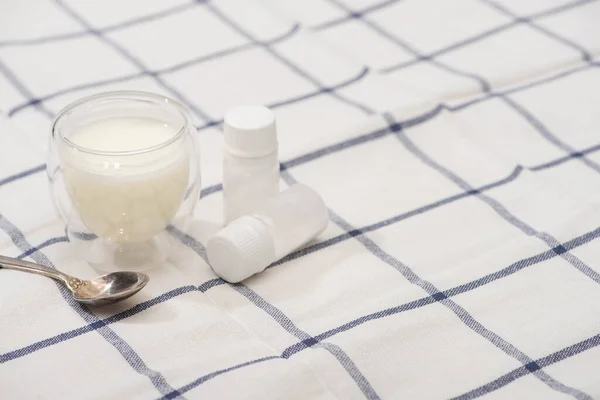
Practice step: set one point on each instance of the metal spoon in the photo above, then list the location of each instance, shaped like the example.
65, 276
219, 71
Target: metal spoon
105, 289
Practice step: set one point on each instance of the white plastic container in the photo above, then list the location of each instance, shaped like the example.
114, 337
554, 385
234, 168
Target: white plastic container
250, 165
251, 243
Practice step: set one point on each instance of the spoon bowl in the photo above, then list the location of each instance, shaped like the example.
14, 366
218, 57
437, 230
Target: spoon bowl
109, 288
105, 289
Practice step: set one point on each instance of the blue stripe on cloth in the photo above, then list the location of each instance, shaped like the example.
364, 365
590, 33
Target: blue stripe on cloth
566, 158
507, 216
485, 86
106, 29
212, 375
460, 312
288, 325
548, 239
293, 67
33, 101
348, 235
330, 242
126, 351
397, 218
131, 58
517, 373
37, 101
278, 39
426, 116
529, 85
536, 123
166, 70
211, 189
12, 78
549, 136
517, 19
466, 287
513, 268
23, 174
380, 133
532, 366
354, 14
49, 242
483, 35
108, 334
322, 90
334, 148
95, 325
285, 322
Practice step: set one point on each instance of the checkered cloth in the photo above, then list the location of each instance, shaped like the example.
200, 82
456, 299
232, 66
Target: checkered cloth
455, 142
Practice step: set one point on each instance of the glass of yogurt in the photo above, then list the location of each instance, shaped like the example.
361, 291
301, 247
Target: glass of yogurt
124, 174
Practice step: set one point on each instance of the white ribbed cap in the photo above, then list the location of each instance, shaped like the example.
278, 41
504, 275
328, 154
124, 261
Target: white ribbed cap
250, 131
241, 249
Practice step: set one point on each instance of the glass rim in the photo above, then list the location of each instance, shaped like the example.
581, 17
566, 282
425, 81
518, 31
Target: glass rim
123, 95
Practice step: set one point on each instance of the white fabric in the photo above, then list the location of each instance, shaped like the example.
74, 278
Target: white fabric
455, 144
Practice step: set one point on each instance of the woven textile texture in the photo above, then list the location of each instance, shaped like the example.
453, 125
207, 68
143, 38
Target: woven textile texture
455, 143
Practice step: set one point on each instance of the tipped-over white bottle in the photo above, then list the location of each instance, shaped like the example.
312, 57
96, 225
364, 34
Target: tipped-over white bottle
250, 165
251, 243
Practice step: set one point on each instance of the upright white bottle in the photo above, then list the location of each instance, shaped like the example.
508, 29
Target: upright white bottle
250, 165
252, 242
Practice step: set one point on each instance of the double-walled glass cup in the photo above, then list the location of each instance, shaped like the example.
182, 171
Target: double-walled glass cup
124, 174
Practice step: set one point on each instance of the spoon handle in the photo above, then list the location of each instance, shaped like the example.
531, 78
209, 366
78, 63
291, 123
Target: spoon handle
25, 266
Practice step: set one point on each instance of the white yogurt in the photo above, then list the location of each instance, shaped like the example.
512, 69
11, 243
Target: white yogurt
127, 197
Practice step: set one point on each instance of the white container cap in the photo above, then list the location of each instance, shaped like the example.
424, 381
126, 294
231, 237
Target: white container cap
241, 249
250, 131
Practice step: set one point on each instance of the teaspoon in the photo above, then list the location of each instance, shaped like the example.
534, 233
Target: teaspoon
105, 289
